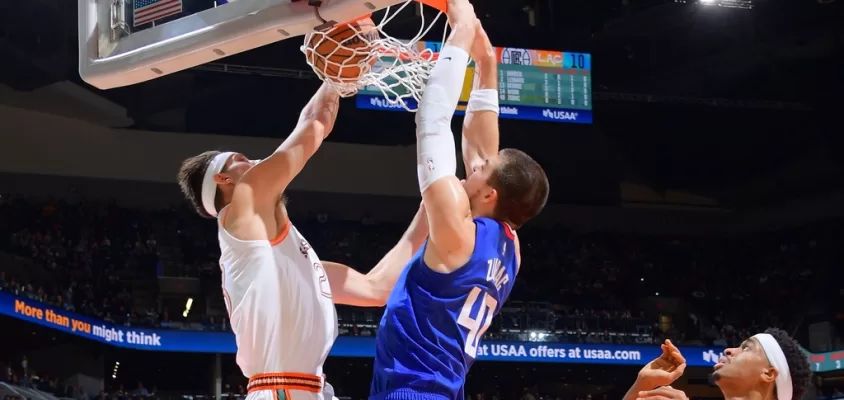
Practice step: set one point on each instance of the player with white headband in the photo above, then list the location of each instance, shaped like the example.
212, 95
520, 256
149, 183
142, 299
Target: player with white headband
280, 296
767, 366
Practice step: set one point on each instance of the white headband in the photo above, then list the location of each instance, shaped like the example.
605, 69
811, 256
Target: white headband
777, 359
209, 186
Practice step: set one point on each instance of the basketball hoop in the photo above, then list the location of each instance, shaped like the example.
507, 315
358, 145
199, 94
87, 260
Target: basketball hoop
399, 69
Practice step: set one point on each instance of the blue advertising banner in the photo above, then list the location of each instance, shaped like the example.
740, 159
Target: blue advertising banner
223, 342
377, 102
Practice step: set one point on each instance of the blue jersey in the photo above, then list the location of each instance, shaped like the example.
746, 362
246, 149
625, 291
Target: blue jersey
428, 337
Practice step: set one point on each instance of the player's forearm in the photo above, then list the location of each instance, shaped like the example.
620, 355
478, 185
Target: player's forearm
269, 178
463, 24
486, 71
349, 287
436, 153
633, 393
315, 124
321, 109
353, 288
384, 275
480, 126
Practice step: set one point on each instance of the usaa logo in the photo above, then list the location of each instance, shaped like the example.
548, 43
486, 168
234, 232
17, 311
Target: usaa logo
560, 115
711, 356
381, 103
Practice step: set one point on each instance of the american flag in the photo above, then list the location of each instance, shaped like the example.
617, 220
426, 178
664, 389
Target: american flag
146, 11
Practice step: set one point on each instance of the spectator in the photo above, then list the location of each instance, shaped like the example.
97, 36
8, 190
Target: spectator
140, 391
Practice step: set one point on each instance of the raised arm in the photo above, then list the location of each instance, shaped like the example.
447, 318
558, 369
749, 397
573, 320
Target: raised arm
661, 371
269, 179
480, 126
256, 195
452, 232
353, 288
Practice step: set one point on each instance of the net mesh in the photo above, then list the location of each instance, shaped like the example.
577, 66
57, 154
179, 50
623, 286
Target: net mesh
399, 69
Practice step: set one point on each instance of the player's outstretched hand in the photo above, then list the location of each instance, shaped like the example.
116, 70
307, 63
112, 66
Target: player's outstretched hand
663, 393
664, 370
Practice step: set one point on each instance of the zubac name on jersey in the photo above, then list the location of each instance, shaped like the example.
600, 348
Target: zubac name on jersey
428, 337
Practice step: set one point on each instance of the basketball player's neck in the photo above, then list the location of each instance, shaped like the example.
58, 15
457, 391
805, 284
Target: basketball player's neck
481, 211
752, 394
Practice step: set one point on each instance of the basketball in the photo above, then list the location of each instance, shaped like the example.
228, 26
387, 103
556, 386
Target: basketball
342, 52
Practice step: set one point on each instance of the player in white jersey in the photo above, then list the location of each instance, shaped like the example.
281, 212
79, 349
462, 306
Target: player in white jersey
279, 294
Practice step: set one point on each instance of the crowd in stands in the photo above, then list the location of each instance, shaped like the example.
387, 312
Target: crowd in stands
574, 287
21, 374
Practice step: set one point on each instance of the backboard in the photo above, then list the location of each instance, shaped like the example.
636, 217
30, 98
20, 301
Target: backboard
123, 42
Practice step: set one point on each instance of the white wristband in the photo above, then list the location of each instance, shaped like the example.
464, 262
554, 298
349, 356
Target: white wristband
483, 100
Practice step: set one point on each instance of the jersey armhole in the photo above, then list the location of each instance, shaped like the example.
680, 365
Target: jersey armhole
459, 270
517, 247
274, 241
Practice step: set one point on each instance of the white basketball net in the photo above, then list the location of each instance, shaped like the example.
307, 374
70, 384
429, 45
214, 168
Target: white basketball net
400, 71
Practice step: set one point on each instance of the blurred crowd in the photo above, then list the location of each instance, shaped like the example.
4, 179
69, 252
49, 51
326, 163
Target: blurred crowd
21, 374
595, 287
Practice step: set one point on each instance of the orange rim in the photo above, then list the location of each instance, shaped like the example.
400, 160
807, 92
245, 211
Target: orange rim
441, 5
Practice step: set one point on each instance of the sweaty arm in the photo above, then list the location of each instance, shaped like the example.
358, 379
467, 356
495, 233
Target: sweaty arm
256, 195
452, 232
480, 126
353, 288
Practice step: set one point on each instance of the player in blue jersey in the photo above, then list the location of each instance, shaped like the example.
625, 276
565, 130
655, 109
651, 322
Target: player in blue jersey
448, 294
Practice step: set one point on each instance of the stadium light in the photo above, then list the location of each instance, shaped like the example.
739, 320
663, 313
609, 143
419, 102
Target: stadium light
741, 4
188, 304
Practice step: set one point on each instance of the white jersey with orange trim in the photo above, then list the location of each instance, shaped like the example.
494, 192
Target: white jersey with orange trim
281, 311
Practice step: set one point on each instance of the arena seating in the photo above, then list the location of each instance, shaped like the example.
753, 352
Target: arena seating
16, 392
575, 287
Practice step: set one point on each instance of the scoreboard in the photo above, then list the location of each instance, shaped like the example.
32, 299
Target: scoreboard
532, 84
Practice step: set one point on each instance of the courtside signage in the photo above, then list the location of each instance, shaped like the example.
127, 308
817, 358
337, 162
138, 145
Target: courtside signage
223, 342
